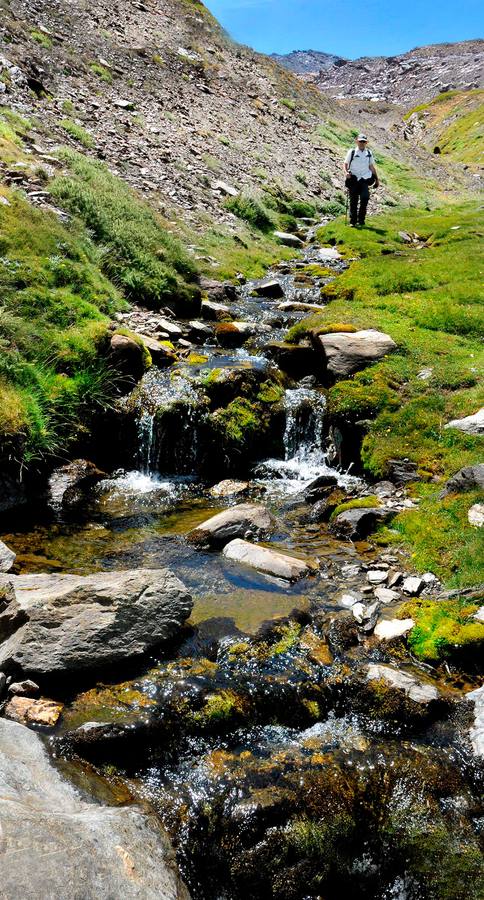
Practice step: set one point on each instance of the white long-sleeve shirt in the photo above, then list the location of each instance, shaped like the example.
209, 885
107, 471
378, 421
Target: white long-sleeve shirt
360, 164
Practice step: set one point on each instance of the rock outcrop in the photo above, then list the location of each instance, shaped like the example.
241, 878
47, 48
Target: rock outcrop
7, 558
55, 844
69, 623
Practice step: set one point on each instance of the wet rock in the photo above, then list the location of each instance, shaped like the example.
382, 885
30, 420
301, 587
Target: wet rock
413, 585
316, 648
289, 240
384, 489
297, 360
299, 306
71, 623
28, 711
270, 288
377, 576
344, 353
25, 688
470, 424
199, 332
229, 488
71, 848
239, 521
234, 334
366, 616
3, 684
215, 312
269, 562
70, 485
319, 488
218, 291
342, 634
388, 629
386, 595
348, 600
128, 356
468, 478
7, 558
355, 524
394, 579
414, 688
476, 733
161, 355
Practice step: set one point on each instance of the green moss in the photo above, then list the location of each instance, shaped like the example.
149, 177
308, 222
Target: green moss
444, 629
315, 324
316, 271
218, 708
288, 638
53, 328
270, 392
359, 503
239, 422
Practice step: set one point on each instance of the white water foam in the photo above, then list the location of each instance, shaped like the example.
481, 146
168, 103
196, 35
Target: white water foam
304, 455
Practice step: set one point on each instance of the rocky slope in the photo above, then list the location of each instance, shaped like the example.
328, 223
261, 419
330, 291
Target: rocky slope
408, 78
306, 62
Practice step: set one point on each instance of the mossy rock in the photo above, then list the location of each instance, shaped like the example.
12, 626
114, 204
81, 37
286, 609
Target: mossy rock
446, 630
371, 502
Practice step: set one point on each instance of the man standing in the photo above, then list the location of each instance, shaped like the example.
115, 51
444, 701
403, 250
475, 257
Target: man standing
360, 173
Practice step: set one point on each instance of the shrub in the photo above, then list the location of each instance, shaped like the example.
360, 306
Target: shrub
251, 210
78, 133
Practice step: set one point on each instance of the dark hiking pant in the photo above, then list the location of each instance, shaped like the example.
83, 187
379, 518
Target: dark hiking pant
359, 191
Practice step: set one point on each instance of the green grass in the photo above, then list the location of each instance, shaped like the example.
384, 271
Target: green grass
53, 325
430, 302
138, 253
40, 38
102, 72
454, 122
78, 133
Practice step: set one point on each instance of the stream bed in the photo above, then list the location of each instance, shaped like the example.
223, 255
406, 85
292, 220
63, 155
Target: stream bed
279, 765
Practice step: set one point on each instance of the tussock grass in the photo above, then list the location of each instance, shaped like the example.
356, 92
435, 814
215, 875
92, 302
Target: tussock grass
138, 253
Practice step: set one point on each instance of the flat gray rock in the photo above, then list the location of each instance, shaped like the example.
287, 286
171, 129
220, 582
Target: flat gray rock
57, 845
237, 522
267, 561
415, 689
345, 353
470, 424
69, 623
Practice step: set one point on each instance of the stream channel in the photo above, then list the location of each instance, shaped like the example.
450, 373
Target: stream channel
276, 766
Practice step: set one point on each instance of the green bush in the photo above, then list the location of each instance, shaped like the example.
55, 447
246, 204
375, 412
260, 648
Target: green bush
251, 210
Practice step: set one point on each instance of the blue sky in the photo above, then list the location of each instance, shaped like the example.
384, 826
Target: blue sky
353, 28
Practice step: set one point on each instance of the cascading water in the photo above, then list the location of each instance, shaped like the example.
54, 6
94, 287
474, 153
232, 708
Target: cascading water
305, 456
145, 442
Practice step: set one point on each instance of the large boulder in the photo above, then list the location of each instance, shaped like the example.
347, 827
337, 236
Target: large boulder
346, 352
70, 623
414, 688
297, 360
7, 558
128, 356
56, 844
267, 561
246, 519
469, 478
470, 424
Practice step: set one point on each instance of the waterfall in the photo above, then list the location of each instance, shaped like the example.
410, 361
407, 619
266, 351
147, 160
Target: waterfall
146, 434
303, 434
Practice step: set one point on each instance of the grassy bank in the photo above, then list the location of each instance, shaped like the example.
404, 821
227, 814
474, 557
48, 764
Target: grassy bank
428, 296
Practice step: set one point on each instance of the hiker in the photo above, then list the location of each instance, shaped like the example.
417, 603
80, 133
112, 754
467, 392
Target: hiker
360, 173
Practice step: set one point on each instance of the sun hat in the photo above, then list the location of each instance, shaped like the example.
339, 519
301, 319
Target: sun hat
362, 137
